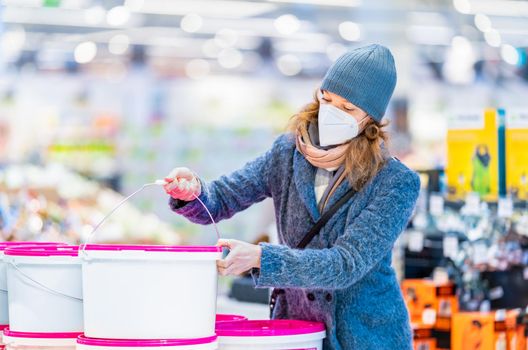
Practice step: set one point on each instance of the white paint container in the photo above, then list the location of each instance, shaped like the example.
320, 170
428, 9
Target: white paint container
4, 314
149, 292
209, 343
270, 335
45, 289
39, 341
2, 329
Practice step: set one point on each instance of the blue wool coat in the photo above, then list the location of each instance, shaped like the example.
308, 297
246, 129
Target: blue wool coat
344, 277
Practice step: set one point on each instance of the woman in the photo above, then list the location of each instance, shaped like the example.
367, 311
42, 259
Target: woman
344, 276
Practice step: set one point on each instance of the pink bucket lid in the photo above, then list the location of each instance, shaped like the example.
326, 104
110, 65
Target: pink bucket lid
43, 250
154, 248
5, 245
229, 318
13, 334
268, 328
143, 343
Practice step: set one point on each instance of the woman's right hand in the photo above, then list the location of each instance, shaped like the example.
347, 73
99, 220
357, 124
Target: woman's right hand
182, 184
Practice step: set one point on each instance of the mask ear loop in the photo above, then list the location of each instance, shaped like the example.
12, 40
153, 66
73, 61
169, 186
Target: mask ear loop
361, 122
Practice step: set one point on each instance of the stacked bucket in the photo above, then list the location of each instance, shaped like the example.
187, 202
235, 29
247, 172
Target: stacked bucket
128, 297
41, 296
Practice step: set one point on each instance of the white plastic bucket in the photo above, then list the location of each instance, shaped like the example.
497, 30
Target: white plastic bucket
209, 343
4, 315
39, 341
45, 289
149, 292
2, 328
270, 335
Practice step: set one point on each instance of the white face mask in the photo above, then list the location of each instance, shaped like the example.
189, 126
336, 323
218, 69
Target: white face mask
336, 126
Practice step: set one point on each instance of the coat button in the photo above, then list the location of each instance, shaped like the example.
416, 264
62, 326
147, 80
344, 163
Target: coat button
328, 297
310, 296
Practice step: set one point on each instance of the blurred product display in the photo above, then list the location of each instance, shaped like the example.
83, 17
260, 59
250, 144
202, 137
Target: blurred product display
53, 203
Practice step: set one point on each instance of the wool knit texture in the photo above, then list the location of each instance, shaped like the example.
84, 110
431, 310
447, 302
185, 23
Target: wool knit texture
366, 77
344, 277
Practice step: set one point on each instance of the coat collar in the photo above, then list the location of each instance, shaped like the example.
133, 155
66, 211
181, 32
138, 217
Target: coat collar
304, 178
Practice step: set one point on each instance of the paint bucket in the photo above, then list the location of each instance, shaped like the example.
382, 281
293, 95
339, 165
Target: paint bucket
4, 314
149, 292
270, 335
220, 318
209, 343
2, 329
39, 341
45, 289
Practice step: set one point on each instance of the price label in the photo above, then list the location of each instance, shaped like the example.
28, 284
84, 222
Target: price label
505, 208
473, 203
429, 316
436, 205
480, 253
440, 276
450, 246
496, 293
416, 241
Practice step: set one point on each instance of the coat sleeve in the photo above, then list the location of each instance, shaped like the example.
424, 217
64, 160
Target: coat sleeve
231, 193
366, 241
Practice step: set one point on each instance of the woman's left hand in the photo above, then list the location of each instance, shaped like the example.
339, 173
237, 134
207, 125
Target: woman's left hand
242, 257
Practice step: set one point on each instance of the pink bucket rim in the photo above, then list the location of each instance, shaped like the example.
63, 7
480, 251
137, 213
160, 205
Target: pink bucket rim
267, 328
3, 327
14, 334
42, 250
153, 248
10, 244
229, 318
143, 343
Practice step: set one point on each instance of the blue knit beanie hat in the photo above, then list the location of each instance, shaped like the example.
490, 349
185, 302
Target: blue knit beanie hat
366, 77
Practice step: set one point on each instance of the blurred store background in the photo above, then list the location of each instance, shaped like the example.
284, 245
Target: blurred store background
99, 97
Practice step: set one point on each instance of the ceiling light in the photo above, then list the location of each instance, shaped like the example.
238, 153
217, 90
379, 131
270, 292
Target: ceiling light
350, 31
118, 44
118, 16
191, 23
458, 67
289, 65
482, 22
287, 24
462, 6
230, 58
493, 38
85, 52
510, 54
